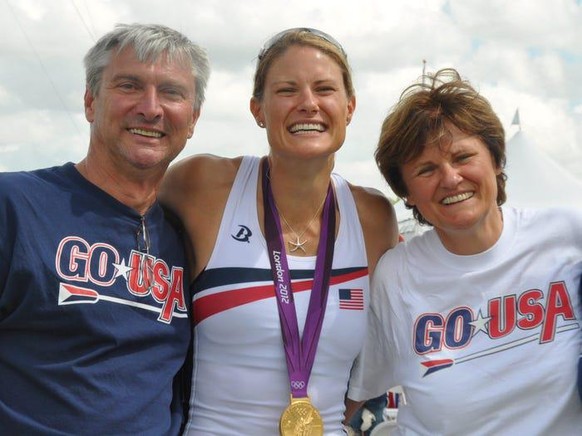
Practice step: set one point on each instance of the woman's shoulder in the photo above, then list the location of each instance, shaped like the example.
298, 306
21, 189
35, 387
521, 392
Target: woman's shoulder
378, 220
558, 223
554, 215
203, 166
372, 202
197, 180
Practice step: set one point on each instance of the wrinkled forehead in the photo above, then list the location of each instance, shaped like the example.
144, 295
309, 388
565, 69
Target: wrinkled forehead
438, 137
444, 135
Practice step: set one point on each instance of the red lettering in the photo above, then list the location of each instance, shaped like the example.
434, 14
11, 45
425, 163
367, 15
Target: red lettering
161, 283
558, 304
141, 275
503, 314
175, 296
531, 309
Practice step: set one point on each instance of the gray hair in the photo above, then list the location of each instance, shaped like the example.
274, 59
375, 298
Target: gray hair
149, 41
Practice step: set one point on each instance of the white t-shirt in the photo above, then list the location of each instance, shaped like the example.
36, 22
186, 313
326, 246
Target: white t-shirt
482, 344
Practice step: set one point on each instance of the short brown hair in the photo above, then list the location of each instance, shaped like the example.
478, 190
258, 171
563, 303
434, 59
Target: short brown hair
419, 118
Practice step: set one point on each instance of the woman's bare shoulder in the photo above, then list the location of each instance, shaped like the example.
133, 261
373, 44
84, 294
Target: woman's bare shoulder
378, 220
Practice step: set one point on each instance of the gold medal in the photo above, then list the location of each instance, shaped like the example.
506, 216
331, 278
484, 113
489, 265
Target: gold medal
301, 418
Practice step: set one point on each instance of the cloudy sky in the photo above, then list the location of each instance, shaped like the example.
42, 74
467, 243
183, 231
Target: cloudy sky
524, 54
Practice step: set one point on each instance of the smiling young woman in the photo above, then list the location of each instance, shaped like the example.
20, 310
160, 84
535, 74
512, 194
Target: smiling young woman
283, 250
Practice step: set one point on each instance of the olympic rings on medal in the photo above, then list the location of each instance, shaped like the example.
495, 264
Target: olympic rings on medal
297, 384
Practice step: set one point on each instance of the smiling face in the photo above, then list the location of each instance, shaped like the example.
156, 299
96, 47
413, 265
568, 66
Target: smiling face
305, 107
454, 187
143, 114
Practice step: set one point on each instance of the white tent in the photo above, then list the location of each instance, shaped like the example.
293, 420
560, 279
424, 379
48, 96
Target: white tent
534, 179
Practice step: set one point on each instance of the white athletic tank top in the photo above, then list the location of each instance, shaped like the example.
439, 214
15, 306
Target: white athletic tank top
240, 381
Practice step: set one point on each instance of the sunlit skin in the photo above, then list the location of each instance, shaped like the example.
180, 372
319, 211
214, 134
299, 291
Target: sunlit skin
454, 187
142, 115
304, 88
305, 106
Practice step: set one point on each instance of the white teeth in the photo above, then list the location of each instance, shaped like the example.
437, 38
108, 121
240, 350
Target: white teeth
149, 133
307, 128
457, 198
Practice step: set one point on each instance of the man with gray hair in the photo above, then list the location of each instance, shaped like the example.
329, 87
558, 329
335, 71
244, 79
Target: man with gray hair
94, 309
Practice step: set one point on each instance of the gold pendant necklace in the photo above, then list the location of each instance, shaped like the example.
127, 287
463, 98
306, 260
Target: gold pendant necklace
298, 244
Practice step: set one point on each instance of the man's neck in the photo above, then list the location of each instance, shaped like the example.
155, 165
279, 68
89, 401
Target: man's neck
139, 194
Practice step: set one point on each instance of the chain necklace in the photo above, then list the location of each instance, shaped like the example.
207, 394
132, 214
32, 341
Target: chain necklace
298, 244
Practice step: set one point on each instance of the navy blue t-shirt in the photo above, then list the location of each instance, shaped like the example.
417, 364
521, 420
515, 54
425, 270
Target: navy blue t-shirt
94, 322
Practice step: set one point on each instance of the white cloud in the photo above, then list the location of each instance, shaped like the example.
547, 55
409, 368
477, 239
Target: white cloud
521, 22
520, 54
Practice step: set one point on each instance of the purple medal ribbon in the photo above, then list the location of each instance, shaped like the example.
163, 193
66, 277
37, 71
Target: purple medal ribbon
300, 353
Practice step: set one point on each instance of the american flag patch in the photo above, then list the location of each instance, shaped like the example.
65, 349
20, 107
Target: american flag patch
351, 299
